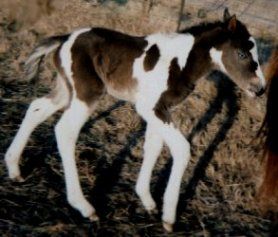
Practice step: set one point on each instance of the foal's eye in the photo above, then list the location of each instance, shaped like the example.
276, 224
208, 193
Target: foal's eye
241, 54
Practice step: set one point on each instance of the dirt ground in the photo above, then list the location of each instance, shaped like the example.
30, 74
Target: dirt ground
219, 186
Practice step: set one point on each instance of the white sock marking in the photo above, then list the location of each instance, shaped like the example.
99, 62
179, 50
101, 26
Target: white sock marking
67, 131
152, 148
180, 150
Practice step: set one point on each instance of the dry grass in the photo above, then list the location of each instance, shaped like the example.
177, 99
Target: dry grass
217, 196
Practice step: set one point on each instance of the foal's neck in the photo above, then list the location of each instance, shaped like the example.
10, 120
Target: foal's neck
208, 35
208, 38
199, 63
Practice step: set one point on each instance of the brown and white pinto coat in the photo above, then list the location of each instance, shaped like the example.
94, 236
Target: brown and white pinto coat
155, 73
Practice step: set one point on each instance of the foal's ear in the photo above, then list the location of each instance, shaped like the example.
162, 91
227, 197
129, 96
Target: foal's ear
226, 15
232, 23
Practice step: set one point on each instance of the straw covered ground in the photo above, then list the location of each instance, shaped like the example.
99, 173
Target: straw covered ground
219, 186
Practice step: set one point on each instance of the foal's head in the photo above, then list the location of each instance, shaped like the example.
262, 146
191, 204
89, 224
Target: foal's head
240, 57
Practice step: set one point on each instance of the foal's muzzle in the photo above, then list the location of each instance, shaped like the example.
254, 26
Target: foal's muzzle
255, 91
260, 92
256, 87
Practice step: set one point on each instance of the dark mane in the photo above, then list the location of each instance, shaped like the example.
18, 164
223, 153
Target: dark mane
240, 33
202, 27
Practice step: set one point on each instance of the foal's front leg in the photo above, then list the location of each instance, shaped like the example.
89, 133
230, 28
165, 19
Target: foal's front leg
180, 151
67, 131
152, 148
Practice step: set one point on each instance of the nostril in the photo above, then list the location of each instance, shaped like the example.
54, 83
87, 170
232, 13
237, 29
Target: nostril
260, 92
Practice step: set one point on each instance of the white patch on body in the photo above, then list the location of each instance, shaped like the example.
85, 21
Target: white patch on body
254, 53
171, 46
216, 56
151, 85
66, 55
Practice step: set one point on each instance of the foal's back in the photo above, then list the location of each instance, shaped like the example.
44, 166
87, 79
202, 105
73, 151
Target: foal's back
104, 59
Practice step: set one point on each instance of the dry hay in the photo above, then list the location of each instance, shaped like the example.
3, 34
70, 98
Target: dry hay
217, 195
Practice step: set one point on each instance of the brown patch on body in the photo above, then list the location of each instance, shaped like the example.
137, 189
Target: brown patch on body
87, 83
104, 58
167, 99
151, 58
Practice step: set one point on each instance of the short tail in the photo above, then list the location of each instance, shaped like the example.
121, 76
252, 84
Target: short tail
268, 192
45, 47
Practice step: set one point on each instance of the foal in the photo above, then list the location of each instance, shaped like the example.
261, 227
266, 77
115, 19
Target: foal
155, 72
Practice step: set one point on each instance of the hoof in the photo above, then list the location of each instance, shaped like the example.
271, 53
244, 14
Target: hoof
18, 179
167, 226
93, 217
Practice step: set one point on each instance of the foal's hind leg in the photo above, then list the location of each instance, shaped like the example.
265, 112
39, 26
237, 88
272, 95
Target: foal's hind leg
67, 131
38, 111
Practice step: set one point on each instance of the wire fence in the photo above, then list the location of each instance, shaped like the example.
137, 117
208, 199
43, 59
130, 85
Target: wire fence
259, 15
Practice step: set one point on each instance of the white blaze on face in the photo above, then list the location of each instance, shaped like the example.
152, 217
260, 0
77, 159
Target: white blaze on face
254, 53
